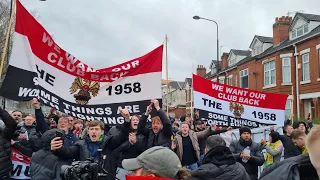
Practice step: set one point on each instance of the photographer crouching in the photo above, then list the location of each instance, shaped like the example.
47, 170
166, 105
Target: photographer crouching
95, 146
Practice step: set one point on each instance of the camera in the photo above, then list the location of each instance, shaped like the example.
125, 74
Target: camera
80, 170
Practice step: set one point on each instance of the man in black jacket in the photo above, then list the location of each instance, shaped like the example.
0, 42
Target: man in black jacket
290, 150
252, 160
161, 130
44, 164
219, 163
88, 147
5, 144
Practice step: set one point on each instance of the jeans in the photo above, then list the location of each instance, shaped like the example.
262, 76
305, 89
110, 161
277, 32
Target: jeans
201, 160
192, 167
121, 173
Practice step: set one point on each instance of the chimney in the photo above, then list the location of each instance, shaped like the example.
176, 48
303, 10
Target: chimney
201, 70
224, 60
281, 29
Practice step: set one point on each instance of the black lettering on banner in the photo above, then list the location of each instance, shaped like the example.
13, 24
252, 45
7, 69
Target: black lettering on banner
264, 116
126, 88
46, 76
17, 170
211, 103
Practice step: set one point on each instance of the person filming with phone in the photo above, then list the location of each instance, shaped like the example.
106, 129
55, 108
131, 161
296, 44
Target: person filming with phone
93, 142
160, 132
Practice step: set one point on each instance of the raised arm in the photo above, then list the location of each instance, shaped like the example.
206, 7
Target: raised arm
142, 129
167, 129
10, 123
41, 125
276, 151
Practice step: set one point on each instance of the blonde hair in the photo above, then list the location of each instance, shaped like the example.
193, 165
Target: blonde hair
296, 134
313, 135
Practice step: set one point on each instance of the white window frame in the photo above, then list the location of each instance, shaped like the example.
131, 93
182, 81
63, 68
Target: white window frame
236, 81
304, 28
288, 108
230, 80
303, 62
283, 71
244, 70
269, 71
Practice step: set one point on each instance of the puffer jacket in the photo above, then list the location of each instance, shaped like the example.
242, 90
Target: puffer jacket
5, 144
219, 163
195, 138
45, 165
256, 159
163, 138
295, 168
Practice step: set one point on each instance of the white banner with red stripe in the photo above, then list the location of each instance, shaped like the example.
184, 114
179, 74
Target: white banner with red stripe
237, 107
40, 68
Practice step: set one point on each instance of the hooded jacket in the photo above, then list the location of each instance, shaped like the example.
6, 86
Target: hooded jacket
295, 168
45, 165
219, 164
5, 144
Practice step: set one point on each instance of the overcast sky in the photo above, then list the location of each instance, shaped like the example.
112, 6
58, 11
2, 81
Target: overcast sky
102, 33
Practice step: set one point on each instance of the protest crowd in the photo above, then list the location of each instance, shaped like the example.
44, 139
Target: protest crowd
38, 147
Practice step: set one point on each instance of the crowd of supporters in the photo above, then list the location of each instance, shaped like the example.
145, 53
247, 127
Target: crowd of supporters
38, 145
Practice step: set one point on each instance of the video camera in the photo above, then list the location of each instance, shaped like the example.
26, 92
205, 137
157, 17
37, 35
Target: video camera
80, 170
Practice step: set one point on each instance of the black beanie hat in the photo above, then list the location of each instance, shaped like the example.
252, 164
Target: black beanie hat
275, 136
244, 129
55, 117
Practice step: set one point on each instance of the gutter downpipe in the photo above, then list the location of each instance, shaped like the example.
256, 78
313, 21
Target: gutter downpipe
296, 54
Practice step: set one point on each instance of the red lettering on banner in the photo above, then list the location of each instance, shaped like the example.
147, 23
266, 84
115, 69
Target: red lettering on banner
44, 48
239, 95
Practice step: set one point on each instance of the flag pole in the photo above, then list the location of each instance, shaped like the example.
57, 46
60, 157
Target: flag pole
167, 77
5, 48
192, 103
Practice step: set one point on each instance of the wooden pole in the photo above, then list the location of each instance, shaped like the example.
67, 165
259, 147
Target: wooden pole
167, 76
5, 49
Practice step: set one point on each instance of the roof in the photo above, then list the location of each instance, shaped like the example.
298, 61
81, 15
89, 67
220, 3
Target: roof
189, 81
176, 85
309, 17
262, 39
265, 39
240, 52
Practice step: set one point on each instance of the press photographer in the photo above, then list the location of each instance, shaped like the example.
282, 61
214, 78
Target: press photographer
88, 147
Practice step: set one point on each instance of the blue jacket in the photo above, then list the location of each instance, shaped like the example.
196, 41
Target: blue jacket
69, 139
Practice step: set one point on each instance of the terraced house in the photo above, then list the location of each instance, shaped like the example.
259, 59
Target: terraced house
287, 63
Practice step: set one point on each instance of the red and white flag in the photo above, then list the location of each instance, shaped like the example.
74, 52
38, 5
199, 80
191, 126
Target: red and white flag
39, 67
237, 107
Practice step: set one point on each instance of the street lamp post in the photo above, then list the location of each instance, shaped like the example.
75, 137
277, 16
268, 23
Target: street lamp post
197, 18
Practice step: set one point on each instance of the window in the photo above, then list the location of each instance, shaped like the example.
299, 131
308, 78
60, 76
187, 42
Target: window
299, 31
244, 78
293, 34
305, 67
286, 70
221, 81
287, 112
230, 81
305, 28
236, 81
269, 73
232, 61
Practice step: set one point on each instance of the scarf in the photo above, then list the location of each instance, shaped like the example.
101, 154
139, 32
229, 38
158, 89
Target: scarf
94, 146
245, 143
269, 157
304, 150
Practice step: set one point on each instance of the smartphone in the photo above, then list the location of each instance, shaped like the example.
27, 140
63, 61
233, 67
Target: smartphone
59, 134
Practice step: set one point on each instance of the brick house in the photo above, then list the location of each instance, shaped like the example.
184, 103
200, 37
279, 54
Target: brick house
176, 98
287, 63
